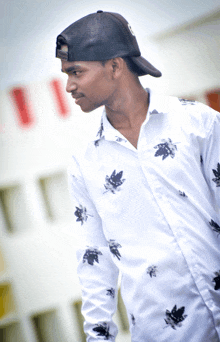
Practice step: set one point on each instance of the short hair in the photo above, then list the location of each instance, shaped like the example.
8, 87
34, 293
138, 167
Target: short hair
130, 64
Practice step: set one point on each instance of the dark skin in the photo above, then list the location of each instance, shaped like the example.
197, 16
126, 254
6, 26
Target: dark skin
112, 85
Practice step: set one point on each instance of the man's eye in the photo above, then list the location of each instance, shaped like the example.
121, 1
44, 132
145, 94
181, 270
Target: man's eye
76, 73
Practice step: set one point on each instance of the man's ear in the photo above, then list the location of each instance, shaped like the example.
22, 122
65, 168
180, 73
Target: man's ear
117, 65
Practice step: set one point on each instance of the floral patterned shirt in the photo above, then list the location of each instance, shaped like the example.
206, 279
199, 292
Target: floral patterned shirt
152, 214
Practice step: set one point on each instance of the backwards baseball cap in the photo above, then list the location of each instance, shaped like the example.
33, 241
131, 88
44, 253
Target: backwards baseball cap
101, 36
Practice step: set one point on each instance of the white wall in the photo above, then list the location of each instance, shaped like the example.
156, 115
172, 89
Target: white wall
189, 58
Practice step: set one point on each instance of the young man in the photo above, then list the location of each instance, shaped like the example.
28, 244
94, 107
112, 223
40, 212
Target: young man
147, 191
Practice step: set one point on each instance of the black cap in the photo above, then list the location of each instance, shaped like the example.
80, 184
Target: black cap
101, 36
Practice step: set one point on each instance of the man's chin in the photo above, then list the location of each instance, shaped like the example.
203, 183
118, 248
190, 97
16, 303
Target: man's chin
88, 109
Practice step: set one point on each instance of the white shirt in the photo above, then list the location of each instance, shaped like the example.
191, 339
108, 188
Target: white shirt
151, 213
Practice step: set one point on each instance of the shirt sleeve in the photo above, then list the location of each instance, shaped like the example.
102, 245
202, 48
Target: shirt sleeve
211, 156
97, 273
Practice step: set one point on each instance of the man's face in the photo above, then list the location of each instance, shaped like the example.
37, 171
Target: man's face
90, 83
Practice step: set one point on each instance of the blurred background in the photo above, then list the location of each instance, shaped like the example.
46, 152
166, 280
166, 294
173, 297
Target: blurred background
40, 127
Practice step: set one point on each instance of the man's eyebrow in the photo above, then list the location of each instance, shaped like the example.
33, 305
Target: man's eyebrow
72, 68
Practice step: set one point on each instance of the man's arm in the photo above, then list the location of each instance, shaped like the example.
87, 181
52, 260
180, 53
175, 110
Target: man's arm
97, 273
211, 156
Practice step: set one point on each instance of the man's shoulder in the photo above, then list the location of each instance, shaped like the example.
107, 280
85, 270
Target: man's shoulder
195, 112
193, 116
192, 107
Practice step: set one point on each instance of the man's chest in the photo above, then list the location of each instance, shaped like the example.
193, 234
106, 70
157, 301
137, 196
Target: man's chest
132, 134
166, 158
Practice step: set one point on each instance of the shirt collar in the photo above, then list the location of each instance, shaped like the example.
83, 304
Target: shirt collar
108, 132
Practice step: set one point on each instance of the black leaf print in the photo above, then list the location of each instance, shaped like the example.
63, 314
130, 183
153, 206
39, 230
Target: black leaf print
81, 214
175, 317
114, 248
99, 135
182, 194
103, 330
216, 280
119, 139
215, 226
91, 256
201, 160
111, 292
155, 112
100, 132
165, 149
217, 175
186, 102
114, 182
132, 319
151, 270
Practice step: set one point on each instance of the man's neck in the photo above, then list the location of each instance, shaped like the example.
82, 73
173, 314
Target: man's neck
128, 112
129, 108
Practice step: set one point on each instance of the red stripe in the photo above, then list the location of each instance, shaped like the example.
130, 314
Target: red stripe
24, 115
214, 99
58, 91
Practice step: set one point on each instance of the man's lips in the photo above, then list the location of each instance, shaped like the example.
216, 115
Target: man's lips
77, 97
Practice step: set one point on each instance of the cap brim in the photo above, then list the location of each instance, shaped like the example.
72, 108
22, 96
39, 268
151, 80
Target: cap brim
144, 67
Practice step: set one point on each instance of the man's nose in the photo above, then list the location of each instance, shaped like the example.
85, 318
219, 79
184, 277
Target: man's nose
70, 85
